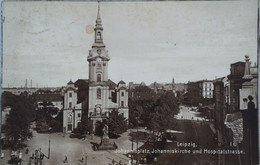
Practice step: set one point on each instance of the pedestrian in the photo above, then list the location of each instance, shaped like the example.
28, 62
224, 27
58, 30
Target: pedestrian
20, 155
26, 151
113, 162
81, 160
2, 155
92, 136
65, 160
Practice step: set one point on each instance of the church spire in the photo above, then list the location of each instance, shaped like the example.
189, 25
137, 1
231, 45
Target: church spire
98, 30
98, 21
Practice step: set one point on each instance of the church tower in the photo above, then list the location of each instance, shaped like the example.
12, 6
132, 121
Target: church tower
98, 56
104, 95
99, 93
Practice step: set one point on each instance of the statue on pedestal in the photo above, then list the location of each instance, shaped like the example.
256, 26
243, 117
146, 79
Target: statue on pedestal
105, 132
105, 144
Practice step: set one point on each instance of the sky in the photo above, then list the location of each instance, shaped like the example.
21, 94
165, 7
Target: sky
48, 42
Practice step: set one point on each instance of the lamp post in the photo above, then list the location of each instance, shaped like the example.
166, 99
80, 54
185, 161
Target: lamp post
49, 149
131, 133
137, 132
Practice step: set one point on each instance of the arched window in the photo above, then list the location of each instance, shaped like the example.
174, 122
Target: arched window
98, 35
98, 93
98, 77
70, 119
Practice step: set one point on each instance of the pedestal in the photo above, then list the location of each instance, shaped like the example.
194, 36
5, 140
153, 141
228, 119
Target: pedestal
106, 145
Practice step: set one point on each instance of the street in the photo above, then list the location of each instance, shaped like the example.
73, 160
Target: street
196, 130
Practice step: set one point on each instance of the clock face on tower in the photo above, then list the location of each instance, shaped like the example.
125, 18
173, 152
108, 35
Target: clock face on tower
98, 51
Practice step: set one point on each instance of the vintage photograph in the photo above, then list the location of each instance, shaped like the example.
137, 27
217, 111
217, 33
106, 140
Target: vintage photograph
129, 83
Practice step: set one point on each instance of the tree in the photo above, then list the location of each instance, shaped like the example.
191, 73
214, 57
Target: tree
162, 115
85, 126
162, 119
49, 115
145, 107
17, 125
141, 105
194, 94
117, 123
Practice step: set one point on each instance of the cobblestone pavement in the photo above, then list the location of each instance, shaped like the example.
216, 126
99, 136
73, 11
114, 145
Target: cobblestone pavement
74, 149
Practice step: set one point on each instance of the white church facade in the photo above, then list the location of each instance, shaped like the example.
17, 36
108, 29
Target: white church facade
103, 95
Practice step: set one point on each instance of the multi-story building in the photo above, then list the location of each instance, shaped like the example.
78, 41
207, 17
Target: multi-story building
234, 94
72, 111
235, 83
52, 99
18, 91
200, 91
98, 95
207, 88
248, 105
224, 132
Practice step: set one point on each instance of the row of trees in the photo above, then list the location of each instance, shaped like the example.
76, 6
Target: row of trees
154, 111
116, 122
22, 113
194, 95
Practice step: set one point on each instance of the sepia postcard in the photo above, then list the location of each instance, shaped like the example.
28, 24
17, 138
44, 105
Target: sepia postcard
129, 83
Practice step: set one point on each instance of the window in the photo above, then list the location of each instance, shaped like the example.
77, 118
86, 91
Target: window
78, 114
98, 93
122, 93
98, 77
69, 119
122, 103
98, 35
99, 66
70, 94
70, 104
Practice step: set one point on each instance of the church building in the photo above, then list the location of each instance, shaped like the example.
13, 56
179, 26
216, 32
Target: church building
98, 95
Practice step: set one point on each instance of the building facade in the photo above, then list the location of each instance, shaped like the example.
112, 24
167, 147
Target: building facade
207, 89
248, 102
200, 92
98, 95
50, 99
72, 111
236, 109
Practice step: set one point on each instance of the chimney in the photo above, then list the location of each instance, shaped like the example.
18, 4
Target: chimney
247, 74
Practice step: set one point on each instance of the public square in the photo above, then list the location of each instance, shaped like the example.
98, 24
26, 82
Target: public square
191, 127
75, 149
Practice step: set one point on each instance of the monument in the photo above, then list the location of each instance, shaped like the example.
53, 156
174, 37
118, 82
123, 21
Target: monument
105, 144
